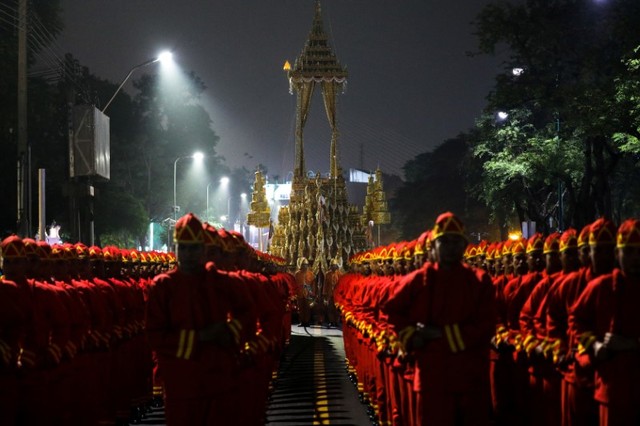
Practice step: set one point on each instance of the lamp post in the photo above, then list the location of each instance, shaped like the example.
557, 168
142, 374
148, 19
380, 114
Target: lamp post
224, 181
243, 202
208, 185
197, 156
164, 56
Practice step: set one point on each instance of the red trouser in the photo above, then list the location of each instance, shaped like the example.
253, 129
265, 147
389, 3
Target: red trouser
551, 398
578, 406
396, 384
410, 404
8, 398
537, 409
210, 411
381, 395
502, 374
619, 415
438, 408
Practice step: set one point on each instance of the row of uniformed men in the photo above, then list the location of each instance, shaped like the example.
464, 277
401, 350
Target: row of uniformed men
564, 346
217, 328
72, 320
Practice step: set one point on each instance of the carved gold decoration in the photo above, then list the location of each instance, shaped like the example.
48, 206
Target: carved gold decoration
260, 213
319, 223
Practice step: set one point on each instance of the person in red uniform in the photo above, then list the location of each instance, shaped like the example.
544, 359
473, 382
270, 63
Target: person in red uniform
605, 325
305, 286
42, 346
451, 309
13, 321
330, 282
192, 343
539, 368
578, 406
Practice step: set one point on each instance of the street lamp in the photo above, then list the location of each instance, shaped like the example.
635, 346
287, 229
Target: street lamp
502, 115
241, 213
207, 211
224, 181
163, 57
198, 156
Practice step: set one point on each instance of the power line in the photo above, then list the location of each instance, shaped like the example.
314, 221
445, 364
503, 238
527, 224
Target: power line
40, 40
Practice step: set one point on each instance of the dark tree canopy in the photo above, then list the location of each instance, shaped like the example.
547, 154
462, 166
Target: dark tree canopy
435, 182
563, 111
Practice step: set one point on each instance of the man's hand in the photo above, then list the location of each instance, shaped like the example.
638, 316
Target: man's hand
618, 343
600, 351
217, 333
425, 333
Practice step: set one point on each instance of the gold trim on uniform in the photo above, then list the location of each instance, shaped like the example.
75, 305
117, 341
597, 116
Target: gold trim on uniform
586, 339
189, 349
456, 332
452, 345
183, 336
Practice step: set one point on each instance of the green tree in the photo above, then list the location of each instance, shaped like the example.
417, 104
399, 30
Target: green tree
569, 53
122, 218
435, 182
44, 24
521, 166
628, 139
171, 123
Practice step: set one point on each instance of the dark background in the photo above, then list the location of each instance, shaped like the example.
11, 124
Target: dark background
411, 84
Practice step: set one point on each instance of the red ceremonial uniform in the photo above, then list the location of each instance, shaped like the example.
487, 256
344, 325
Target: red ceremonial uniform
609, 304
452, 371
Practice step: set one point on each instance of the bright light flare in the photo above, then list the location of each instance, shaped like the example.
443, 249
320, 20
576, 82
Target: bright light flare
198, 156
224, 180
165, 57
514, 236
502, 115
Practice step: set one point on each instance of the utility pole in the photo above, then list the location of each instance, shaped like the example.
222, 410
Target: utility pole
23, 226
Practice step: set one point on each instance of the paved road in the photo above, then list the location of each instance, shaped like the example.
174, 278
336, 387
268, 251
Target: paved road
312, 387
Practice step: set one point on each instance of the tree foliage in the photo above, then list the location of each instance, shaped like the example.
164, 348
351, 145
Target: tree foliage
565, 116
522, 166
44, 18
147, 133
122, 218
171, 123
435, 182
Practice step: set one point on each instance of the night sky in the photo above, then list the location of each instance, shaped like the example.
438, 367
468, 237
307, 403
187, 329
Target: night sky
411, 83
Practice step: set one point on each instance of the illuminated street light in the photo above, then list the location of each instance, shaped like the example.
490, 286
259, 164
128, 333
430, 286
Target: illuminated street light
163, 57
207, 210
517, 71
502, 115
198, 156
224, 181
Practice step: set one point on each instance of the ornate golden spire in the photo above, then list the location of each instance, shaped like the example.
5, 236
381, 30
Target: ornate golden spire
317, 62
381, 215
376, 208
319, 222
260, 212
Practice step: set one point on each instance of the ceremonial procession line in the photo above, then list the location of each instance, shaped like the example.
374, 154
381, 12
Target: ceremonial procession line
311, 386
435, 331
